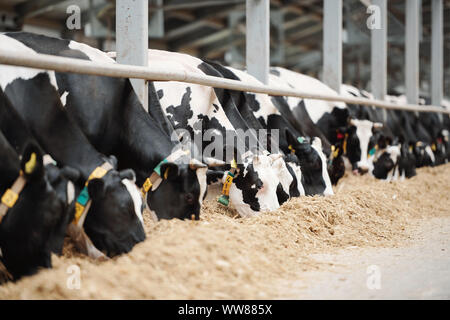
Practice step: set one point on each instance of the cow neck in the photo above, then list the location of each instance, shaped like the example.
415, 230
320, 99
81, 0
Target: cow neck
155, 178
55, 131
13, 127
83, 202
145, 142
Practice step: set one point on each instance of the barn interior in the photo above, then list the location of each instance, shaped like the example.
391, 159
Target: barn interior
215, 30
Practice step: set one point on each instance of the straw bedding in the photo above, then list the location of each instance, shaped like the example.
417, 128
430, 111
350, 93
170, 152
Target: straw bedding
226, 257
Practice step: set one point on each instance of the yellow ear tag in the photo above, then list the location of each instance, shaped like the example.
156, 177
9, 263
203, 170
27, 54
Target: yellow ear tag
98, 173
166, 173
9, 199
410, 149
291, 148
31, 164
335, 152
234, 164
344, 145
433, 147
78, 212
147, 185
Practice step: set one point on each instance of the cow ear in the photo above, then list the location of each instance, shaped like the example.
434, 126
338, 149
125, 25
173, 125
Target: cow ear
96, 188
169, 171
113, 161
32, 163
128, 174
70, 173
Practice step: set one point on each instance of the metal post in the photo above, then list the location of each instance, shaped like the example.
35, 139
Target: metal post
379, 49
258, 39
412, 50
132, 39
437, 53
332, 44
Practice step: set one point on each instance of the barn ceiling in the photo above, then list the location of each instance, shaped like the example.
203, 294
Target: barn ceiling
215, 29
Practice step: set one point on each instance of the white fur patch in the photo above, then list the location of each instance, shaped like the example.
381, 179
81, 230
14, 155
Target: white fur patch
201, 176
70, 192
317, 145
315, 108
364, 133
10, 73
136, 196
47, 159
298, 175
267, 195
430, 153
63, 98
92, 53
283, 174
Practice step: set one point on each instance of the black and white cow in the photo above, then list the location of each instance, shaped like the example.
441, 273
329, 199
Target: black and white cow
331, 120
199, 110
410, 131
34, 226
111, 116
114, 222
387, 158
19, 136
310, 166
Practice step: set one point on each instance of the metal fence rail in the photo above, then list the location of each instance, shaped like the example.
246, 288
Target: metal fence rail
164, 73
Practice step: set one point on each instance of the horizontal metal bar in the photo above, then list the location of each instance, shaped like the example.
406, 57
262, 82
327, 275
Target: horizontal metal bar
168, 73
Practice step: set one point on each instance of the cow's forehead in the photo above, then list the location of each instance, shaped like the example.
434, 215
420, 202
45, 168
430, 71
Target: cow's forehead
363, 124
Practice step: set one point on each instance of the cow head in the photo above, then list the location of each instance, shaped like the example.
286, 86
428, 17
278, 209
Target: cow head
336, 165
442, 147
285, 176
424, 154
181, 193
114, 222
255, 186
62, 181
385, 162
358, 136
35, 226
313, 164
296, 188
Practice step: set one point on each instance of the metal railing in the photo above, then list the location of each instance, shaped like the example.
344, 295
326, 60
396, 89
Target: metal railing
164, 73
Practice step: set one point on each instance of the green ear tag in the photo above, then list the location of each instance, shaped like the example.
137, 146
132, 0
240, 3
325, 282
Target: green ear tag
300, 139
372, 151
158, 167
83, 198
224, 200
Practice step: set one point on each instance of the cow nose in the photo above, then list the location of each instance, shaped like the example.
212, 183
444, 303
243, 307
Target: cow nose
363, 169
189, 197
